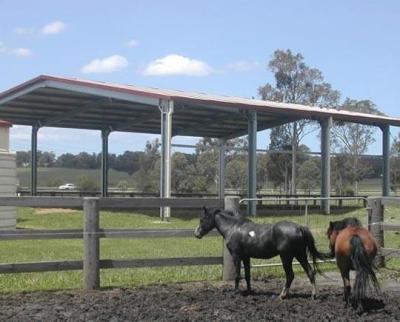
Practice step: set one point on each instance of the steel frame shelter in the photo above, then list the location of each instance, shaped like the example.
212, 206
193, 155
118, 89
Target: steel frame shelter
50, 101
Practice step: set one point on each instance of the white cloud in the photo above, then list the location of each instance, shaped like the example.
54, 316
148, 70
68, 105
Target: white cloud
22, 52
53, 28
244, 65
24, 31
19, 52
132, 43
105, 65
177, 65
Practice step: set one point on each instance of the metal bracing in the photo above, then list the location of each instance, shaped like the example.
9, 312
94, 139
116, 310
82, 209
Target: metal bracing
252, 162
73, 113
326, 125
221, 168
35, 129
263, 125
122, 126
166, 109
104, 162
386, 160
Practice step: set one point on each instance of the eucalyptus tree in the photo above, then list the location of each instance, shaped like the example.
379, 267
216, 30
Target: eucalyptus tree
353, 140
309, 174
296, 82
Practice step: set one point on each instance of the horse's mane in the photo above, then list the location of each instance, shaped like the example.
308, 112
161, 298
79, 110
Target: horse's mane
342, 224
232, 214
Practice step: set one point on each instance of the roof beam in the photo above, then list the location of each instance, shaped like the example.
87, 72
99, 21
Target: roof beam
129, 123
20, 93
71, 113
102, 92
261, 126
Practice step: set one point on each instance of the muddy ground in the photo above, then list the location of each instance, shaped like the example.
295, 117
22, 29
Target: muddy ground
205, 301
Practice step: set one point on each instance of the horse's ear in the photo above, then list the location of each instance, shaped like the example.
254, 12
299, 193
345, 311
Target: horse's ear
330, 224
204, 209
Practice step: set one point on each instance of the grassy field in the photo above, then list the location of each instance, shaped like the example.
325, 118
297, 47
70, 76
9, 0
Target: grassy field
34, 251
66, 175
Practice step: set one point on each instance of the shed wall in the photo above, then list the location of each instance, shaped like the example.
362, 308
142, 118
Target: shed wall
8, 187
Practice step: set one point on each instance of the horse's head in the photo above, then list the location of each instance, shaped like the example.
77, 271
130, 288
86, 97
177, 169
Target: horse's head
336, 226
207, 222
332, 233
330, 229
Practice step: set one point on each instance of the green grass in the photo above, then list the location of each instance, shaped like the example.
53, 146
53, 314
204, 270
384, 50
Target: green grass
45, 175
47, 250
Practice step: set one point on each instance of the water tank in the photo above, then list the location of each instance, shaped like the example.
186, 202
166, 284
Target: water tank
8, 177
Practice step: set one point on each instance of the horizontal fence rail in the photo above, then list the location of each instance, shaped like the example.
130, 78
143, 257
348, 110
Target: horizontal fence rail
102, 233
92, 233
110, 203
108, 264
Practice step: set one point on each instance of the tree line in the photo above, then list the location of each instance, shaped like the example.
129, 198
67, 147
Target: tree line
129, 161
197, 172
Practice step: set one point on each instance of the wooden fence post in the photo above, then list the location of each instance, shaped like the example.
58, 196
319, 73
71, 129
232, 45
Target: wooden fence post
229, 272
91, 244
375, 218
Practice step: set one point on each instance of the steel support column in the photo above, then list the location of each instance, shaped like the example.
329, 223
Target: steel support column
252, 162
104, 162
386, 160
167, 109
221, 169
35, 129
326, 125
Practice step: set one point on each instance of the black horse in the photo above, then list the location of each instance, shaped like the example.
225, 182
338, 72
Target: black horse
245, 239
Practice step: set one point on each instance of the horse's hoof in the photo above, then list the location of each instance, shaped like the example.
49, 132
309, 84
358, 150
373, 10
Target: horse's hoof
313, 296
283, 297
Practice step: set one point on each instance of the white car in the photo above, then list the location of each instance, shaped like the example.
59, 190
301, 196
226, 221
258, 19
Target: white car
67, 186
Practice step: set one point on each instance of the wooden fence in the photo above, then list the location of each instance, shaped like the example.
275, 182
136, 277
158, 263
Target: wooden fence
281, 199
92, 233
377, 225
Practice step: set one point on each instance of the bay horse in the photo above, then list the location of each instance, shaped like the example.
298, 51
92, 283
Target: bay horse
246, 239
355, 249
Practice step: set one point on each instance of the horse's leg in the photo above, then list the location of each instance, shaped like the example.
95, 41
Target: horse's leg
236, 262
344, 268
309, 271
246, 263
287, 266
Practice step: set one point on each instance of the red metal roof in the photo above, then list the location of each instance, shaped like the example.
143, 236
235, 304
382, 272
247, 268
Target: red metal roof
273, 110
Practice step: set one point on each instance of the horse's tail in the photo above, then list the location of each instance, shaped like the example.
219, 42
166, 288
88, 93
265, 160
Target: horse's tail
364, 266
312, 249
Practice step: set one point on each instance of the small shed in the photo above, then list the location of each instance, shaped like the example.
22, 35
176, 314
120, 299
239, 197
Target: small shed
8, 176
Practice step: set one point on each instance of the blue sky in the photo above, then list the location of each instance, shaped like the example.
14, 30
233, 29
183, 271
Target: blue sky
217, 47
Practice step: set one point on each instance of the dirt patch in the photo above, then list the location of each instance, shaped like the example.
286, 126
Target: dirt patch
46, 211
193, 302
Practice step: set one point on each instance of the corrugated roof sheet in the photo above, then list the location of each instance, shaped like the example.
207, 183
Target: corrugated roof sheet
273, 112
